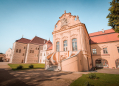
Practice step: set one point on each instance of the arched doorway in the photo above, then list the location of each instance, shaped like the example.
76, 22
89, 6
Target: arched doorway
101, 63
1, 59
117, 63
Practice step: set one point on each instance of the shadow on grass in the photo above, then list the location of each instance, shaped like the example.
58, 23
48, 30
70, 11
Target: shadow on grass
15, 69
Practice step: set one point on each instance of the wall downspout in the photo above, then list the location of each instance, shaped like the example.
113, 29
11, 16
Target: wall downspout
91, 52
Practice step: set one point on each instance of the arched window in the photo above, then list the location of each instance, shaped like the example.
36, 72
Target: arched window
117, 63
19, 50
74, 44
65, 45
16, 50
57, 46
101, 63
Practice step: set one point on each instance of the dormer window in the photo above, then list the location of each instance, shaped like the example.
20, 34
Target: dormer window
105, 51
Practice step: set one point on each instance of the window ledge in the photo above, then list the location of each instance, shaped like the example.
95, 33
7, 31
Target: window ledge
101, 55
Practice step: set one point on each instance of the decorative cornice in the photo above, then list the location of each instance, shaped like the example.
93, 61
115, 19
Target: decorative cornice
74, 35
65, 37
65, 14
69, 27
57, 39
64, 27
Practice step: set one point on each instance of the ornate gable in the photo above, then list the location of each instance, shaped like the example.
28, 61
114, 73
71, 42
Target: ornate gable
66, 20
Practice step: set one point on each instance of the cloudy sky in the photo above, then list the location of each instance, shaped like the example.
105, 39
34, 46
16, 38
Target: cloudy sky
38, 17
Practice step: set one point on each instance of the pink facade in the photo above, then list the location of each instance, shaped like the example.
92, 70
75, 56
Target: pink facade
71, 50
105, 49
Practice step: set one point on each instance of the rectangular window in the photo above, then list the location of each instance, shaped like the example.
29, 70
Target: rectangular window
105, 51
94, 51
31, 51
74, 44
65, 45
57, 46
19, 50
118, 49
16, 50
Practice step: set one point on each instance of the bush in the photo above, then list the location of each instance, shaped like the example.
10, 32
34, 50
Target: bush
87, 84
92, 76
31, 66
20, 67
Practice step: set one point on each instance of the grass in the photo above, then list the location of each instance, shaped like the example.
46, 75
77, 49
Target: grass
103, 80
26, 66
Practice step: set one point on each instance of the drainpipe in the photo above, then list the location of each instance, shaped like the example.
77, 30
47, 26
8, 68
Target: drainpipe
91, 52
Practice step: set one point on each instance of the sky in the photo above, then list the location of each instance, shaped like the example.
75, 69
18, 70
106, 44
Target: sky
30, 18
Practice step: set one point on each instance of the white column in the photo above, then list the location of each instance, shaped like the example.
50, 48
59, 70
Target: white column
12, 52
27, 53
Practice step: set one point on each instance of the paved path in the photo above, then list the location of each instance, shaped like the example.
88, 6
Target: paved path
4, 65
40, 77
36, 77
109, 71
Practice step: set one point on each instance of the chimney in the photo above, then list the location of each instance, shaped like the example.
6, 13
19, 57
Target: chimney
103, 31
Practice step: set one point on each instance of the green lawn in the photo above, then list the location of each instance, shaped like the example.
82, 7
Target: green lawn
26, 66
103, 80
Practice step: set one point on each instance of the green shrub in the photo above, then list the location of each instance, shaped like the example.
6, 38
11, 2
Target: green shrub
87, 84
92, 76
31, 66
20, 67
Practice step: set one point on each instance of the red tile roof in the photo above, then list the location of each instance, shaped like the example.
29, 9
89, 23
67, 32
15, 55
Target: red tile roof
48, 42
38, 40
107, 36
23, 40
101, 33
50, 48
35, 40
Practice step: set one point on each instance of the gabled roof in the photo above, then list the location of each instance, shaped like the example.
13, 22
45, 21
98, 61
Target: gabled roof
48, 42
35, 40
23, 40
107, 36
38, 40
50, 48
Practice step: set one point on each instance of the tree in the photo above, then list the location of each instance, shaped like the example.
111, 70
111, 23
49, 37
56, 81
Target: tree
114, 15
